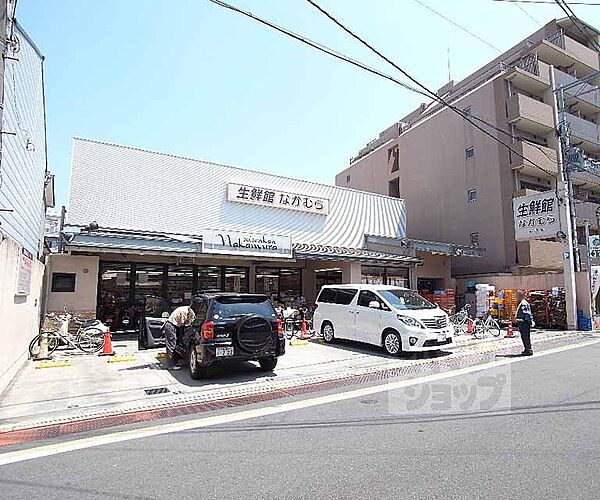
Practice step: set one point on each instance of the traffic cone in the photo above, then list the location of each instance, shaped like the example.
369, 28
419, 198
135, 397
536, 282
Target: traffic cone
107, 350
469, 326
510, 334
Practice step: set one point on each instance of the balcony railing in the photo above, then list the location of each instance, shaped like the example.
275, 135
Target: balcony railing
530, 114
582, 95
584, 130
557, 38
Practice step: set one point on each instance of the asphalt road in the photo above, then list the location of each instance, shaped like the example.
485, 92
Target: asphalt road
540, 438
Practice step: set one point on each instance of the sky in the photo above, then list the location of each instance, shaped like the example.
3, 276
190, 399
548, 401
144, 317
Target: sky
187, 77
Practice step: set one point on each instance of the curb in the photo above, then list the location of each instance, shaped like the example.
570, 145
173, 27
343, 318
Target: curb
179, 405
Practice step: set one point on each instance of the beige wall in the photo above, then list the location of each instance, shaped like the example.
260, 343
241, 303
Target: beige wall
19, 315
435, 266
83, 300
435, 178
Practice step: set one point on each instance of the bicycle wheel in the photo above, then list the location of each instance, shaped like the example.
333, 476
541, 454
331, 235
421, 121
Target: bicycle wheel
34, 345
478, 329
494, 328
90, 340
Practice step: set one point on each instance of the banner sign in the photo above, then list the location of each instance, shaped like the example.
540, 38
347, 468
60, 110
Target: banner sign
254, 244
267, 197
536, 216
595, 246
24, 276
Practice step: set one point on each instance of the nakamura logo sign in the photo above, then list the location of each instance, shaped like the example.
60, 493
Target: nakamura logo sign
238, 243
536, 216
267, 197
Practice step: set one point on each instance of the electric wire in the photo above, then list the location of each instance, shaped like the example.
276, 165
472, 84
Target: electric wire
576, 21
430, 92
317, 45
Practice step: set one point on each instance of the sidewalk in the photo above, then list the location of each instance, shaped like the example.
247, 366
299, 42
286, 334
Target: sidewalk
91, 387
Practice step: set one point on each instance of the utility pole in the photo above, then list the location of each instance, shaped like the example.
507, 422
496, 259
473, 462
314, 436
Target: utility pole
564, 191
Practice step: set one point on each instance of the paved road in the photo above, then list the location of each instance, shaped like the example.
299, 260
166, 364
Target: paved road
541, 439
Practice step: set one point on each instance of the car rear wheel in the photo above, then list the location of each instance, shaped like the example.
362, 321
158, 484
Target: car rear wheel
392, 343
268, 364
196, 371
327, 332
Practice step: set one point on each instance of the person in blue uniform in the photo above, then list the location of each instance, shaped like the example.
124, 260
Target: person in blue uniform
524, 320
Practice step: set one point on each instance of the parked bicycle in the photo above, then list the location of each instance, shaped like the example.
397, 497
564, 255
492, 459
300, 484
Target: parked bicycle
461, 320
292, 323
89, 337
486, 324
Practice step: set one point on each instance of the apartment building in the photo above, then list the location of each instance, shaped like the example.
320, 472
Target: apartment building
458, 183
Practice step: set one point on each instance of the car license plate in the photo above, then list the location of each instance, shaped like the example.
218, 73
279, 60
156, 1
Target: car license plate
224, 351
441, 337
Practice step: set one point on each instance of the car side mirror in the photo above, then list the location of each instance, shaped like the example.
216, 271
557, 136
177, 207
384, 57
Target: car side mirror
164, 315
374, 304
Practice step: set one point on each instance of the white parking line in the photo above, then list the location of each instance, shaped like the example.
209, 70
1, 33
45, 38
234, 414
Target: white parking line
117, 437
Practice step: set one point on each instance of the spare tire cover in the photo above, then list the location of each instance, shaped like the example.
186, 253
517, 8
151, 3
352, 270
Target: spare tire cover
254, 334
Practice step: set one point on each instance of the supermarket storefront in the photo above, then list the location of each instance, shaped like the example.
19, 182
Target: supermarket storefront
221, 229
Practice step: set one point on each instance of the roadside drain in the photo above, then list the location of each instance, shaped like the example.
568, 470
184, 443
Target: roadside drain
157, 390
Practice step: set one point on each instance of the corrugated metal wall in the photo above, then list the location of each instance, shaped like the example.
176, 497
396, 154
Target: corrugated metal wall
127, 188
23, 163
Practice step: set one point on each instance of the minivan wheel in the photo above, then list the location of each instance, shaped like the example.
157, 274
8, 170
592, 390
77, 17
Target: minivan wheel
327, 331
268, 364
392, 343
196, 371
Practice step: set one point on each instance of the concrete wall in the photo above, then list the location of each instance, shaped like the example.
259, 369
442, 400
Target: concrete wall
435, 266
435, 177
20, 314
509, 282
83, 300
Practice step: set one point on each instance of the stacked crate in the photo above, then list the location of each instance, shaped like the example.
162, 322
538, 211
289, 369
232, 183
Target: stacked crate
538, 300
444, 299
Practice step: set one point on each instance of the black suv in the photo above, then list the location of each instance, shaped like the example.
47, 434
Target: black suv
228, 327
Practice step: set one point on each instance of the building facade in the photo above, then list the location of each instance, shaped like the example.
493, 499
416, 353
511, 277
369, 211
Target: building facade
458, 183
26, 189
142, 223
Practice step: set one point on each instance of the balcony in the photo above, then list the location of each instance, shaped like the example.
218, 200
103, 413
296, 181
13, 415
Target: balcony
529, 74
586, 180
582, 96
535, 154
584, 134
560, 50
587, 210
530, 115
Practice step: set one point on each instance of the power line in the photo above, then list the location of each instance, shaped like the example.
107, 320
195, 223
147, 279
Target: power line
318, 46
547, 2
427, 93
430, 92
522, 9
454, 23
575, 20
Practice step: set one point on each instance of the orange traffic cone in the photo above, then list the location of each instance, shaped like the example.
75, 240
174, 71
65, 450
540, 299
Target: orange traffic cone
510, 334
107, 350
469, 326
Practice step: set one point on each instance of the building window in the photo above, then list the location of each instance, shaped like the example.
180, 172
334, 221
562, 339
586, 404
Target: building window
63, 282
474, 239
393, 159
467, 111
347, 178
469, 153
394, 188
472, 195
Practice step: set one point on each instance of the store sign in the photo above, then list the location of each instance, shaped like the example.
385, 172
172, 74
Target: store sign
24, 276
266, 197
536, 216
595, 246
254, 244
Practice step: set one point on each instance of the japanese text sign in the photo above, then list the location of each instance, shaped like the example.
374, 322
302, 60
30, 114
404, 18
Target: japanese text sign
536, 216
267, 197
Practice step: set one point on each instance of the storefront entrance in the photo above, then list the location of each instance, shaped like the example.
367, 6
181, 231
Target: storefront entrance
123, 287
379, 275
282, 285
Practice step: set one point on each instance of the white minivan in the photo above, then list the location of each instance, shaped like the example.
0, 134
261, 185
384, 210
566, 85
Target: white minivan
396, 318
